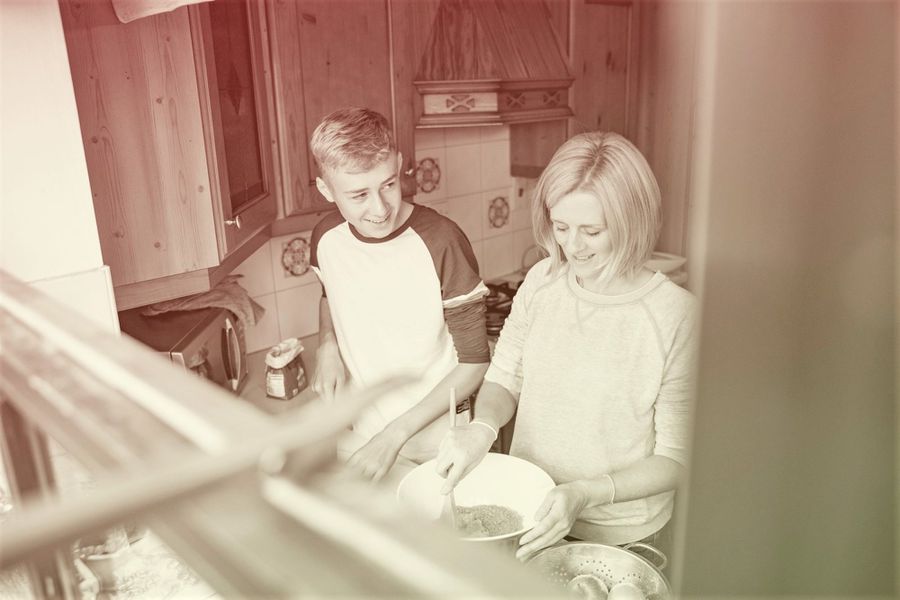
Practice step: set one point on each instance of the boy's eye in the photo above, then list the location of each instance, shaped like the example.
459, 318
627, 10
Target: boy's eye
390, 184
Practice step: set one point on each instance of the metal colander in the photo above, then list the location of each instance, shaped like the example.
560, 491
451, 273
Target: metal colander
559, 564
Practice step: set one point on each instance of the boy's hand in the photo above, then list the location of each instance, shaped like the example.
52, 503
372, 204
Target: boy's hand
555, 518
460, 451
377, 457
329, 374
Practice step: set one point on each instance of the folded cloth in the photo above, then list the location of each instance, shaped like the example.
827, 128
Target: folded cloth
228, 293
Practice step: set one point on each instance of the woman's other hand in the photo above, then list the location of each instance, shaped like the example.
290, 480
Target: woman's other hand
329, 374
460, 451
555, 518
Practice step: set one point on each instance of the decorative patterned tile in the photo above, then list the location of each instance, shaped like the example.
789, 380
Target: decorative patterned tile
284, 252
429, 138
466, 211
265, 333
495, 165
257, 272
431, 174
463, 172
496, 213
499, 256
298, 310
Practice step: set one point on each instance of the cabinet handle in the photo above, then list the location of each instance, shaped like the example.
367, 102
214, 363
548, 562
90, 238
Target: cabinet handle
410, 172
235, 221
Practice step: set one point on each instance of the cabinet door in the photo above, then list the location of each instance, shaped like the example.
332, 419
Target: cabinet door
329, 55
345, 51
231, 43
136, 91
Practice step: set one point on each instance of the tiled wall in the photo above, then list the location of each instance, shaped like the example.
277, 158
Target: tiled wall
467, 179
291, 301
474, 172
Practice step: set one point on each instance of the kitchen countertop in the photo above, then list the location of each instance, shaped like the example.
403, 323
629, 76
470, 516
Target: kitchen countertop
254, 389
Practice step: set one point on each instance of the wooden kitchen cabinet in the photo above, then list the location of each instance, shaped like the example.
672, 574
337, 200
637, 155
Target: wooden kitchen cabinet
177, 124
329, 55
600, 39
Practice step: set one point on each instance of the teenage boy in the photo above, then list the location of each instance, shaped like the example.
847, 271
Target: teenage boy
401, 295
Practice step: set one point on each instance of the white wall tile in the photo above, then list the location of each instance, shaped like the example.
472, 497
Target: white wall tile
462, 136
440, 206
429, 138
495, 165
298, 310
521, 219
499, 256
466, 212
438, 174
523, 193
492, 133
489, 226
283, 278
478, 249
257, 272
463, 172
522, 241
265, 333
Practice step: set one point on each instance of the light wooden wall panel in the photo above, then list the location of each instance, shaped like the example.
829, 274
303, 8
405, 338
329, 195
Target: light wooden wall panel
668, 33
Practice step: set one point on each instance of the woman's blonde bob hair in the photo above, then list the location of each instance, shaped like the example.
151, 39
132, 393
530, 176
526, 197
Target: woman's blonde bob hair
613, 170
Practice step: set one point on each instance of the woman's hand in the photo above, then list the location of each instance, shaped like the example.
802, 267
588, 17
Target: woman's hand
376, 458
329, 374
555, 518
460, 451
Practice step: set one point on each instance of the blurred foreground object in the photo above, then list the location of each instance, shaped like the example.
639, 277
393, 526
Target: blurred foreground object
203, 470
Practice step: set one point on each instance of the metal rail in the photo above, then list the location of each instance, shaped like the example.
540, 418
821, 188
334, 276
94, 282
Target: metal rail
251, 503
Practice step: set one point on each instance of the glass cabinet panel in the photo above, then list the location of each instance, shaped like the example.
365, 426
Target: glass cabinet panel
234, 76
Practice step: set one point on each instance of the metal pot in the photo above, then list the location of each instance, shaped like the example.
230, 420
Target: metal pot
613, 565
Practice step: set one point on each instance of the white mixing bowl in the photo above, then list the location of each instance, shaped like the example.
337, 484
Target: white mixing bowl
499, 479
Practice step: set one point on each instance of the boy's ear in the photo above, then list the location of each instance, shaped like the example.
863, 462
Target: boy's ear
323, 189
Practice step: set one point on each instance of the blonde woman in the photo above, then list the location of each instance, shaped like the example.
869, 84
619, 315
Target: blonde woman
595, 359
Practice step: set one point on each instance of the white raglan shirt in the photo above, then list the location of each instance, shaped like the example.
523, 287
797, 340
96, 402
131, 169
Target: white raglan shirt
387, 298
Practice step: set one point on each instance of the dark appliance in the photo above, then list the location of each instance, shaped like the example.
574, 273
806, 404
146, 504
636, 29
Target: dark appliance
209, 342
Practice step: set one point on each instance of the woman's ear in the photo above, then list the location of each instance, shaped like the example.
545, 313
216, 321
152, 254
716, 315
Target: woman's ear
323, 189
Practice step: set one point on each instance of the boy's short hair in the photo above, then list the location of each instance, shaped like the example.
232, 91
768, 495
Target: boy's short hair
612, 169
352, 137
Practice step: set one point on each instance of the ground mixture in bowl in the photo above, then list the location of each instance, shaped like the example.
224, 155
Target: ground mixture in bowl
487, 520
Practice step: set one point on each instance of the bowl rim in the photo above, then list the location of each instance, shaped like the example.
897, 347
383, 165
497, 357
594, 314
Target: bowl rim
493, 538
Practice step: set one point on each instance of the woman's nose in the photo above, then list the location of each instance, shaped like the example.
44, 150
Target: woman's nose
572, 242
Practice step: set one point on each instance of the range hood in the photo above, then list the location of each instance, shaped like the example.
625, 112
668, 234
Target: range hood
492, 62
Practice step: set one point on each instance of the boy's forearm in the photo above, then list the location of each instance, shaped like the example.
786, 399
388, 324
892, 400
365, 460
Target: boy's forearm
465, 378
326, 327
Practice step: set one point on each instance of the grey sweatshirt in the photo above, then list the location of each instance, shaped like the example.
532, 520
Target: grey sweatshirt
601, 382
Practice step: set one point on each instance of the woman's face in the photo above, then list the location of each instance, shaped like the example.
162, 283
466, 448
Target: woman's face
579, 227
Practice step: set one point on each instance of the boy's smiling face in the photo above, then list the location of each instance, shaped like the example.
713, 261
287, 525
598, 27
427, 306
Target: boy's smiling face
368, 200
